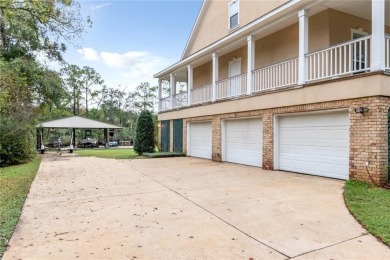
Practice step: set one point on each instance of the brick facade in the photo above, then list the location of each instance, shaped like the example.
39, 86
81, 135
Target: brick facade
368, 133
268, 140
369, 139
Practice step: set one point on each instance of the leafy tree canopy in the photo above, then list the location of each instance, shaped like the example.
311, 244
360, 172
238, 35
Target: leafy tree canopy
31, 26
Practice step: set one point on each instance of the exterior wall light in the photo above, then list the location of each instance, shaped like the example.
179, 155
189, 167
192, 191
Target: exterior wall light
361, 110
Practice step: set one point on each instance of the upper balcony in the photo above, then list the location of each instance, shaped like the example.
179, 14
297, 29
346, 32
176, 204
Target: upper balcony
326, 45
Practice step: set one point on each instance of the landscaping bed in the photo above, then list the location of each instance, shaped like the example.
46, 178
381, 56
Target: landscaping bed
163, 155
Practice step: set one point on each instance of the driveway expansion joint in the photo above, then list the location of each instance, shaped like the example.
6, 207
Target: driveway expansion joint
211, 213
328, 246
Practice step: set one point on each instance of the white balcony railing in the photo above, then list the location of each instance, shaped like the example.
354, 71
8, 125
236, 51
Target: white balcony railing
231, 87
180, 100
202, 94
346, 58
342, 59
276, 76
165, 104
387, 44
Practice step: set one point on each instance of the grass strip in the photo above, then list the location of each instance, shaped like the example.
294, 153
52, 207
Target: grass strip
15, 182
371, 207
113, 153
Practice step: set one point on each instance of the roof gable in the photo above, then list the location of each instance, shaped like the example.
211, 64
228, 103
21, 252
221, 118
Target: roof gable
212, 23
77, 122
195, 29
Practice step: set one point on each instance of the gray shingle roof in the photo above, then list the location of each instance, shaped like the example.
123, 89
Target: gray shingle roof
77, 122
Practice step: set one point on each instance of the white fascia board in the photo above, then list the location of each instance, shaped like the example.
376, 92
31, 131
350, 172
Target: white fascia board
195, 29
240, 32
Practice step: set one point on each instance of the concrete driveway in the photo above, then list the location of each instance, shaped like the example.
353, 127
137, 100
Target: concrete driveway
184, 208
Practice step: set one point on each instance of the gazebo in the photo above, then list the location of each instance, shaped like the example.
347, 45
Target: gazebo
73, 123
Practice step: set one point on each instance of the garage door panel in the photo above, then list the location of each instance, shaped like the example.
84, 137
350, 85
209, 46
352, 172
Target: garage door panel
315, 144
200, 140
244, 158
243, 141
342, 152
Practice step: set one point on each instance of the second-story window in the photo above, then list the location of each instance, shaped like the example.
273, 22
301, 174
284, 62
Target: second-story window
233, 14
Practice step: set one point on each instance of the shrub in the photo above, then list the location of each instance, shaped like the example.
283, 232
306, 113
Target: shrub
17, 141
163, 155
144, 137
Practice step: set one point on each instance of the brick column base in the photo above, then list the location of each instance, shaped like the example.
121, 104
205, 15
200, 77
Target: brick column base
268, 141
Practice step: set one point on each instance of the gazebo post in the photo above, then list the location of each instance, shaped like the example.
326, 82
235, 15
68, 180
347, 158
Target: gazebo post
38, 138
106, 137
74, 137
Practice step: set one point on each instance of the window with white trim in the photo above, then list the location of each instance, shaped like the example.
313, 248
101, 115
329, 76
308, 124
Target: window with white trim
233, 13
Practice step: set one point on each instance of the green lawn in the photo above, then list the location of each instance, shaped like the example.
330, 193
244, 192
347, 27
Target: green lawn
116, 153
370, 206
15, 182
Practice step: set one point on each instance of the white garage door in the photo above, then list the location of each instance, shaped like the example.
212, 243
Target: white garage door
316, 144
244, 141
200, 140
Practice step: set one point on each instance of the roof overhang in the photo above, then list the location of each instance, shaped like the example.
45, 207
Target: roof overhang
77, 122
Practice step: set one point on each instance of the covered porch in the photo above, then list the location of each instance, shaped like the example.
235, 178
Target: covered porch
245, 66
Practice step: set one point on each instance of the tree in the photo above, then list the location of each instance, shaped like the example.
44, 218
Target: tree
73, 79
112, 102
28, 89
90, 77
80, 80
31, 26
144, 139
16, 139
145, 96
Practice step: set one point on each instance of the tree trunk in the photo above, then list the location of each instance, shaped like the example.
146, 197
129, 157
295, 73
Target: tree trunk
86, 100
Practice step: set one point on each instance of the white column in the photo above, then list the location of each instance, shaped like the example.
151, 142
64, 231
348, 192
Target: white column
303, 45
251, 64
190, 80
159, 94
215, 75
172, 83
378, 35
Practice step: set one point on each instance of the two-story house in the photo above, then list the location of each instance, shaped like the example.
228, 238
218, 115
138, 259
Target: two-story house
297, 85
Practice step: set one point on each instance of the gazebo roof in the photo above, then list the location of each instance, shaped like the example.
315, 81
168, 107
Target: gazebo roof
77, 122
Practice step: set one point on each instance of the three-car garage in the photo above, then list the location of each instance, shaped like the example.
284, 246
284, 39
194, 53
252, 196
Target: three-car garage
315, 143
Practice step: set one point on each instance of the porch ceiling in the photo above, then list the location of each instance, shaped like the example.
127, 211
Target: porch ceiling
180, 75
360, 8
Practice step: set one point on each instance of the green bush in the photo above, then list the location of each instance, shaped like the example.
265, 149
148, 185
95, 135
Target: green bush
17, 141
163, 155
144, 137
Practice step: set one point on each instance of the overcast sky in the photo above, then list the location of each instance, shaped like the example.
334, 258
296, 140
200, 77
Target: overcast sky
131, 40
